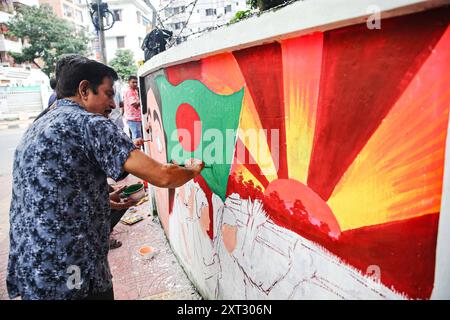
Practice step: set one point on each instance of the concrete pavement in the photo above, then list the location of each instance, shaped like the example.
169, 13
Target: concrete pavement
15, 124
160, 278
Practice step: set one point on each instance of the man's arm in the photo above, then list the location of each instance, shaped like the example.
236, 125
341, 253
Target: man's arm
158, 174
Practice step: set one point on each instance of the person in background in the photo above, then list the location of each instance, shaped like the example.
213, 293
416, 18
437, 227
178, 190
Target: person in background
132, 108
52, 98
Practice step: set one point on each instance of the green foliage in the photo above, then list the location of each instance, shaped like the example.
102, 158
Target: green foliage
252, 4
264, 4
123, 63
256, 4
241, 15
47, 37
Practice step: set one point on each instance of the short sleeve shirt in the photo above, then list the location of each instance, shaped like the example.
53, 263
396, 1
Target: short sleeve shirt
60, 213
131, 112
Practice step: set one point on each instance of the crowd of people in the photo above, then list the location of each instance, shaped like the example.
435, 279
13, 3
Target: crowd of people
62, 208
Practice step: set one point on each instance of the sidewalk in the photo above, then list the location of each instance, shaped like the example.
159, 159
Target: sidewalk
160, 278
15, 124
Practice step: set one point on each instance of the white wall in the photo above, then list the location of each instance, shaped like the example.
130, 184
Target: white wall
128, 27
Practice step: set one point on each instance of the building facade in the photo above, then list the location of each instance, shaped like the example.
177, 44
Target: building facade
188, 18
69, 10
132, 23
24, 89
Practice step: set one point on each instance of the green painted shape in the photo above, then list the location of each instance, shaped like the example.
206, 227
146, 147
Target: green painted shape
217, 114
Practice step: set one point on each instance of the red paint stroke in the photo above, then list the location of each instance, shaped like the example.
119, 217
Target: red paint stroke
188, 120
208, 193
276, 208
171, 200
262, 69
405, 251
364, 72
292, 191
186, 71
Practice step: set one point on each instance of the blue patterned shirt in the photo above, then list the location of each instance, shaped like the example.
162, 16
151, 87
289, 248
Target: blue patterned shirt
60, 213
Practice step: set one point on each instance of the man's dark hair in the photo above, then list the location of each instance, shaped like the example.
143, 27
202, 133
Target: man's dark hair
72, 69
64, 60
132, 78
53, 83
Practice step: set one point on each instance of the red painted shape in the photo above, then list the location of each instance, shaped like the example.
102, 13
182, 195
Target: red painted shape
208, 193
292, 190
179, 73
262, 69
171, 200
363, 74
189, 127
404, 250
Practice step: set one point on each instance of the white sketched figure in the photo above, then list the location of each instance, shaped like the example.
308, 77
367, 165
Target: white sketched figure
261, 260
189, 226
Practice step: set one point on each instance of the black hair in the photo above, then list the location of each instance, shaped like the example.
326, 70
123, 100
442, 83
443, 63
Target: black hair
132, 78
64, 60
72, 69
53, 83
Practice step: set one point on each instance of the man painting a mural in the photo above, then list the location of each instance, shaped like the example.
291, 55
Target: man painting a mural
311, 162
60, 212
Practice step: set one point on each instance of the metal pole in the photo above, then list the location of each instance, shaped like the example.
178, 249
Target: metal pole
101, 33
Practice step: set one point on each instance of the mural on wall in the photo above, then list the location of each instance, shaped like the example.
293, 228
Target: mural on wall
340, 195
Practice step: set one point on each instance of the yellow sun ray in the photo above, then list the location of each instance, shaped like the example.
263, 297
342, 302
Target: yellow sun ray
398, 174
252, 135
302, 58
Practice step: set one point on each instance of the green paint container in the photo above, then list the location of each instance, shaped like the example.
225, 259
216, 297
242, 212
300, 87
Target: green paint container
135, 191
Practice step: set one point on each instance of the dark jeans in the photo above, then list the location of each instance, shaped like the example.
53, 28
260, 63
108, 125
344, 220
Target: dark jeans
116, 215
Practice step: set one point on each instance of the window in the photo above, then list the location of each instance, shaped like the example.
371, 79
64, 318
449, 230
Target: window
227, 8
140, 40
176, 10
138, 16
210, 12
67, 11
145, 21
168, 11
179, 25
120, 42
79, 16
117, 14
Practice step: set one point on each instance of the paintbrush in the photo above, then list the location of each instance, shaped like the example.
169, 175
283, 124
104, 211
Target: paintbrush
183, 165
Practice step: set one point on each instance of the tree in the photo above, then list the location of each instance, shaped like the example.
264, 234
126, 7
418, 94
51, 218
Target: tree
265, 4
256, 6
123, 63
46, 37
